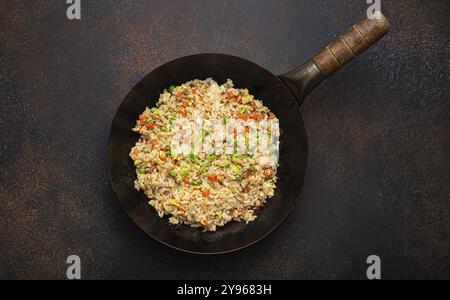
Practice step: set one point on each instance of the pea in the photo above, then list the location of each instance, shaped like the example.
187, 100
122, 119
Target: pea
171, 89
185, 171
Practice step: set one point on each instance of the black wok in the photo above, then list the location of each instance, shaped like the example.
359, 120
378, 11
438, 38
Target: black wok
282, 94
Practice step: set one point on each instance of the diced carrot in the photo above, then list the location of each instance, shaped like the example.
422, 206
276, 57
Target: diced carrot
257, 116
268, 173
272, 116
143, 118
186, 180
206, 223
230, 94
136, 151
212, 177
243, 117
164, 158
183, 113
206, 193
184, 104
149, 126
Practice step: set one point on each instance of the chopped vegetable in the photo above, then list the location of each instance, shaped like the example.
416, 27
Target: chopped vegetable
231, 94
149, 126
203, 166
206, 223
257, 116
212, 156
135, 151
205, 133
185, 171
171, 89
183, 113
268, 173
173, 173
236, 169
252, 168
174, 202
206, 193
239, 178
194, 158
197, 182
243, 117
236, 156
143, 118
141, 170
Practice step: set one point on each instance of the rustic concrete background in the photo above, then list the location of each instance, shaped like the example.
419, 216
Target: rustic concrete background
379, 172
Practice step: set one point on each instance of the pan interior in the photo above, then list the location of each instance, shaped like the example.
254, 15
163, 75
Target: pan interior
293, 151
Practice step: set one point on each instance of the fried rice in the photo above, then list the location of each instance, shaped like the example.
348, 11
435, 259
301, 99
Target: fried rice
205, 189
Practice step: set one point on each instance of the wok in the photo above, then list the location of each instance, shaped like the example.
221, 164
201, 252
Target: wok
282, 94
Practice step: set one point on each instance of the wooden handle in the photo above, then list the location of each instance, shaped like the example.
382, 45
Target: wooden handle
354, 41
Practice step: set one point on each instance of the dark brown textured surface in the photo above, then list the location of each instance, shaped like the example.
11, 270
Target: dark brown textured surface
378, 180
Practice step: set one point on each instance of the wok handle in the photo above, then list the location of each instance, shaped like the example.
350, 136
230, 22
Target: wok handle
351, 43
302, 80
